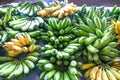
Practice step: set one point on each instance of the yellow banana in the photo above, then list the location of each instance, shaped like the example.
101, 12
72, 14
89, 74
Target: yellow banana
116, 30
25, 49
9, 45
118, 36
118, 25
13, 53
87, 66
110, 75
104, 75
21, 39
87, 73
94, 72
112, 21
115, 73
27, 38
99, 73
16, 42
17, 48
31, 48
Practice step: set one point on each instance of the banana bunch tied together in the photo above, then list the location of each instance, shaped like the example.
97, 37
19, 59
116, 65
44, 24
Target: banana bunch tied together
13, 68
58, 70
59, 32
97, 35
71, 52
22, 44
58, 11
100, 72
29, 8
26, 24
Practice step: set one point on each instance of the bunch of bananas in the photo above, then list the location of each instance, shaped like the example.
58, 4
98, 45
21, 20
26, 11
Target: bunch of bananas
59, 11
23, 44
59, 32
58, 69
26, 24
97, 36
116, 63
71, 52
101, 72
117, 29
29, 8
13, 68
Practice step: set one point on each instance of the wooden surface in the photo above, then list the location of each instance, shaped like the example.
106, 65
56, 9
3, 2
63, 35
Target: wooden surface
107, 3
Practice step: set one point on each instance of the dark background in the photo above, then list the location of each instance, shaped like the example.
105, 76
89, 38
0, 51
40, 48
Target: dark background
107, 3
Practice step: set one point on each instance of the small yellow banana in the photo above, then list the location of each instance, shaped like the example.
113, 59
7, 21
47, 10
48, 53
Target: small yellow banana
31, 48
99, 73
13, 53
9, 45
104, 75
115, 73
110, 75
94, 72
25, 49
87, 66
27, 38
16, 42
21, 39
87, 73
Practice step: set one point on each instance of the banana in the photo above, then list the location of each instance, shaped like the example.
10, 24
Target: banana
43, 74
36, 54
110, 75
31, 11
50, 74
26, 68
90, 39
29, 63
31, 48
113, 44
72, 70
99, 33
6, 58
104, 23
66, 76
25, 28
87, 66
43, 61
104, 58
72, 76
93, 73
21, 39
31, 58
18, 71
92, 49
49, 66
27, 10
115, 73
27, 38
57, 75
97, 22
15, 22
87, 73
4, 64
106, 50
97, 43
91, 24
98, 74
17, 42
9, 70
104, 75
24, 6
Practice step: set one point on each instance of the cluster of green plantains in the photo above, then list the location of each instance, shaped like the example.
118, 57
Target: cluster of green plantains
60, 40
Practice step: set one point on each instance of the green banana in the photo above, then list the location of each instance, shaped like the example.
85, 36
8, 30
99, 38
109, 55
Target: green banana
29, 63
66, 76
92, 49
31, 58
97, 22
49, 66
57, 75
26, 68
50, 74
90, 39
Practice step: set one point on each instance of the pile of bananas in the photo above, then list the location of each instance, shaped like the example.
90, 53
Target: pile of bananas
13, 68
97, 35
26, 24
58, 70
29, 8
101, 72
59, 32
22, 44
58, 11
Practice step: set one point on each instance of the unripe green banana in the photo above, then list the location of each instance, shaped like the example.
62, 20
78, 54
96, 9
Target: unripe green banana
29, 63
31, 58
92, 49
90, 39
57, 75
26, 68
50, 74
49, 66
66, 76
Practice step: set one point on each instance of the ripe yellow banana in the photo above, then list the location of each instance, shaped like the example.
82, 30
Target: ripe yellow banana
94, 72
9, 45
87, 66
104, 75
115, 73
110, 75
21, 39
13, 53
87, 73
99, 73
16, 42
27, 38
31, 48
25, 49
